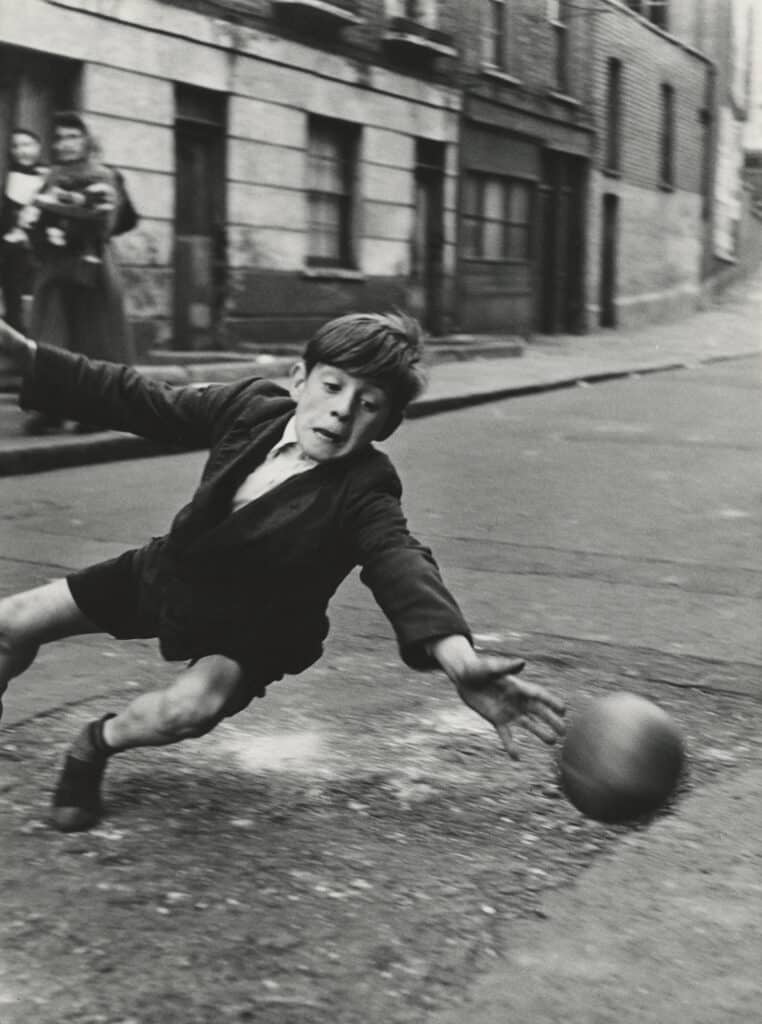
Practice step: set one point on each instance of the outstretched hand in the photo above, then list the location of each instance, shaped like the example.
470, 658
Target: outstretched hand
490, 687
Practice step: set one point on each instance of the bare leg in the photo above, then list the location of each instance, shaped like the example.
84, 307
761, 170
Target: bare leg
191, 706
36, 617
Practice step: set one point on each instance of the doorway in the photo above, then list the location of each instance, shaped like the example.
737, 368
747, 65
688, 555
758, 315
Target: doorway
428, 233
560, 244
33, 86
609, 245
200, 250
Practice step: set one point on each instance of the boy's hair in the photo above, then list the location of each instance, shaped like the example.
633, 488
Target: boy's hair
387, 348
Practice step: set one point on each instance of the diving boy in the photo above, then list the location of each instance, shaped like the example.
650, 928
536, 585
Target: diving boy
293, 496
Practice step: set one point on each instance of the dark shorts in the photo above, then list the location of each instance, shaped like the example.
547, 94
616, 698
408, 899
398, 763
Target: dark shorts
110, 595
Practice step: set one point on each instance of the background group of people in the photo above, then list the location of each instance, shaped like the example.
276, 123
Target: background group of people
56, 226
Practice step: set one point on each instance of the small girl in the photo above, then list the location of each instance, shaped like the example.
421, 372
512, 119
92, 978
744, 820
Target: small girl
23, 181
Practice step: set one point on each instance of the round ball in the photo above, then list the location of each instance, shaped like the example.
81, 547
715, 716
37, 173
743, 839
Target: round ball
621, 758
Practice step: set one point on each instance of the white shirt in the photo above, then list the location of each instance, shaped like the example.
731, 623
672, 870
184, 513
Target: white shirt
284, 460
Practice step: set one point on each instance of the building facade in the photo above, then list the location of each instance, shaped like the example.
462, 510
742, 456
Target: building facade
648, 212
290, 161
526, 147
493, 166
725, 31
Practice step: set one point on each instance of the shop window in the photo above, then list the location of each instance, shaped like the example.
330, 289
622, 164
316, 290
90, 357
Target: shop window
496, 218
331, 170
667, 169
614, 115
494, 34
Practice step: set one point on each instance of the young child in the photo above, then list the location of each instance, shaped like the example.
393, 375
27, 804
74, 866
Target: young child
293, 496
18, 214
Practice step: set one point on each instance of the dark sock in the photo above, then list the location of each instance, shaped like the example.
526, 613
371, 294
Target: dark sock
89, 744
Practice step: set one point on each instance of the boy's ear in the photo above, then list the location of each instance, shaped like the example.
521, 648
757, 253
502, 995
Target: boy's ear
395, 418
297, 377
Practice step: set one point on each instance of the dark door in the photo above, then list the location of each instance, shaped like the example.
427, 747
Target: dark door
560, 262
428, 233
610, 230
200, 242
32, 87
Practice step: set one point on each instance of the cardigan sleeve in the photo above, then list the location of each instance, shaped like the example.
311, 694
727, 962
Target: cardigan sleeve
400, 571
118, 397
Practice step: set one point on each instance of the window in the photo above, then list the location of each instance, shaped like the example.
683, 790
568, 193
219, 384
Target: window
331, 158
557, 18
493, 34
423, 11
657, 11
613, 114
667, 170
497, 218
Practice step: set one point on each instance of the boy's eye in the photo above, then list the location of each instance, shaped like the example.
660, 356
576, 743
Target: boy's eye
332, 386
370, 405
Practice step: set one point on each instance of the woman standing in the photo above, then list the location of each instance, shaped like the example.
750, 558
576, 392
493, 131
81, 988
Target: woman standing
23, 181
78, 303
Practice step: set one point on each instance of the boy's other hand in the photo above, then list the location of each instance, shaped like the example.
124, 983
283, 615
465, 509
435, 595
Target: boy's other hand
488, 684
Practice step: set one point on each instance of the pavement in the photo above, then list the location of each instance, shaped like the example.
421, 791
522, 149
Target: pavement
665, 929
667, 924
464, 371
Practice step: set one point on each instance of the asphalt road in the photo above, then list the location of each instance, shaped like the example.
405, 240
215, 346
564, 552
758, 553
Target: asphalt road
624, 515
356, 849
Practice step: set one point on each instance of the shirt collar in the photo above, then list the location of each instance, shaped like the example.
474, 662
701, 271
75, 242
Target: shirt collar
289, 438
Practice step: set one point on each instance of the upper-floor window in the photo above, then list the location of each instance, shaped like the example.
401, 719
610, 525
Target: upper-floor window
497, 218
667, 163
557, 16
423, 11
331, 172
494, 33
613, 115
657, 11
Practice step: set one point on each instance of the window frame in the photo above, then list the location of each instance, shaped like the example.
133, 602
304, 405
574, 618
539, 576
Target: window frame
510, 226
614, 103
346, 135
667, 137
557, 17
494, 34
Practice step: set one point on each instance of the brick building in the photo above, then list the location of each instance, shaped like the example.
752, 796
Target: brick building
526, 146
291, 160
501, 166
725, 31
648, 190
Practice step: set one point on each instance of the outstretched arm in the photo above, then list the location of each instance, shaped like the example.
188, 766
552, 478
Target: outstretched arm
118, 397
488, 684
14, 346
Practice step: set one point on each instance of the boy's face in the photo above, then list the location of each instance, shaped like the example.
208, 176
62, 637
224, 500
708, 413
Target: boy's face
336, 412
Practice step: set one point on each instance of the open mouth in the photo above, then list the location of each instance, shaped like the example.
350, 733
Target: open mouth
329, 436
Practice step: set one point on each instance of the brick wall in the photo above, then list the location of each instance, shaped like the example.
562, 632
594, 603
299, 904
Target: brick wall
275, 77
661, 231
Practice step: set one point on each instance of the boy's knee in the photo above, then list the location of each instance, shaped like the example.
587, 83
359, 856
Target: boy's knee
198, 702
17, 647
